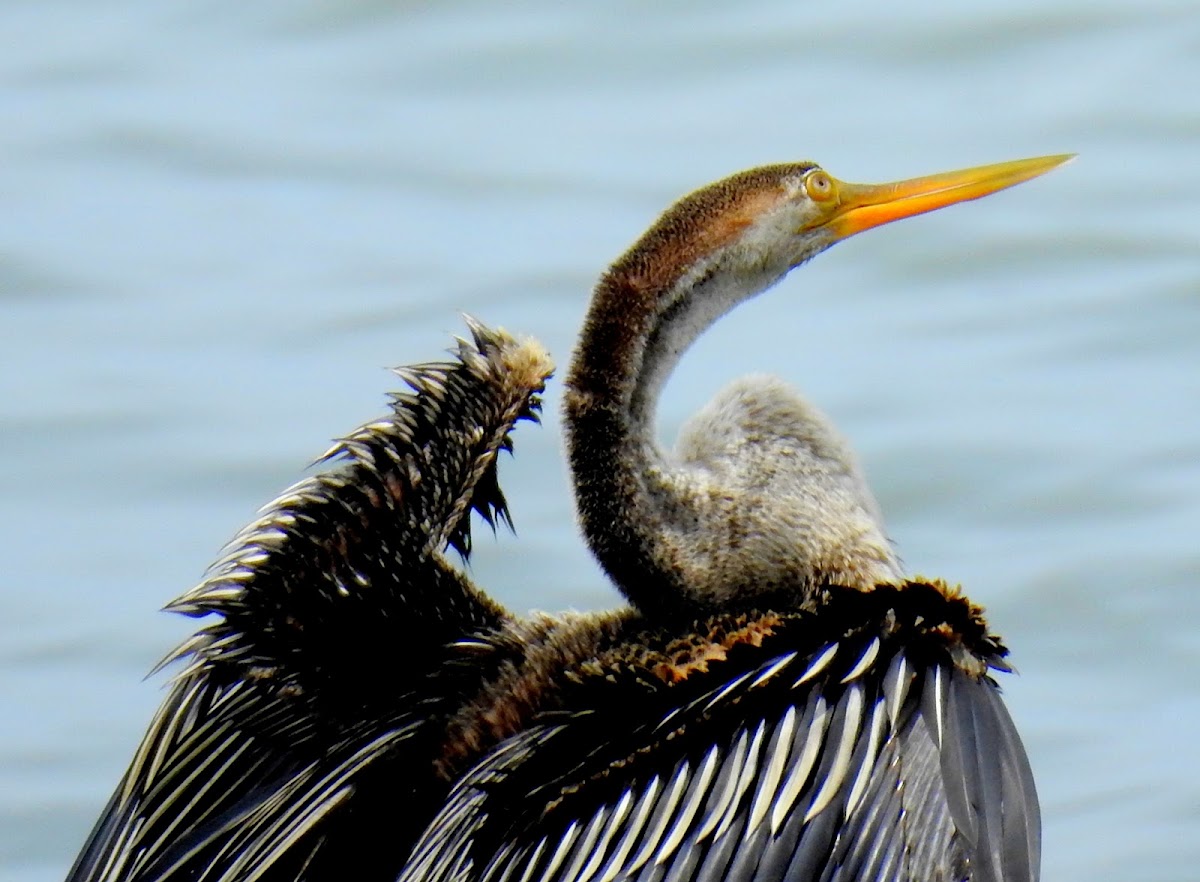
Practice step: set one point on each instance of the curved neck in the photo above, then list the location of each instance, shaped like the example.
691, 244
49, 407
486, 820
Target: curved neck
763, 502
640, 323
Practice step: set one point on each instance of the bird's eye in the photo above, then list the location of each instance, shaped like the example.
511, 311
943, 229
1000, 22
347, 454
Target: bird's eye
819, 186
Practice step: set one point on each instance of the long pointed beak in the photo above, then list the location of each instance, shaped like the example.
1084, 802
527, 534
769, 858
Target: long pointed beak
863, 206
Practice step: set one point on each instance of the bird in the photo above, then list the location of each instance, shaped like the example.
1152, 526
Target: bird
777, 699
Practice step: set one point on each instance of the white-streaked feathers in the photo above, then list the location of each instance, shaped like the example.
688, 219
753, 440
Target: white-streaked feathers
856, 782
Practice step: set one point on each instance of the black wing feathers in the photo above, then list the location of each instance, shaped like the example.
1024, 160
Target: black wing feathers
331, 614
886, 755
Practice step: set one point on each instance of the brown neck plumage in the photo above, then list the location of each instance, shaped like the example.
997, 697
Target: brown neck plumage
608, 458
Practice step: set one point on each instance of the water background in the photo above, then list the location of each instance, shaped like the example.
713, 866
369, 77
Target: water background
219, 221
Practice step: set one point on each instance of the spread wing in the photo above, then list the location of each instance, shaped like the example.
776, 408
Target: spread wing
323, 655
860, 761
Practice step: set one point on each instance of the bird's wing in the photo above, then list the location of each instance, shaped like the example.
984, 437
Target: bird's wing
211, 795
860, 761
331, 613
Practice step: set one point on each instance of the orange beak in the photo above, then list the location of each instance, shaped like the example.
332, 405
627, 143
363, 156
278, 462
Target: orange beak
860, 207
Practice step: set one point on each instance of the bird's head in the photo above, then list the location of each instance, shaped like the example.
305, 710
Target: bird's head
768, 220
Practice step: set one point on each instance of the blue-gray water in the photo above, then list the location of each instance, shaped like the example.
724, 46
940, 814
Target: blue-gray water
218, 222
